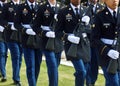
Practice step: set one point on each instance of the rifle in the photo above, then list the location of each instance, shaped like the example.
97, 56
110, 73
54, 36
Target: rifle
114, 64
51, 41
83, 49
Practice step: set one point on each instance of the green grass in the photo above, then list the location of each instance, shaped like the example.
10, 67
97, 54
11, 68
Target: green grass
66, 77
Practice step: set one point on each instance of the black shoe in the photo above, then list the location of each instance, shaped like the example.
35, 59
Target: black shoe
4, 79
0, 74
91, 85
17, 83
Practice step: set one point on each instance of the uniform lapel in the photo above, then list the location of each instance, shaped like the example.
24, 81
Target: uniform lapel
110, 17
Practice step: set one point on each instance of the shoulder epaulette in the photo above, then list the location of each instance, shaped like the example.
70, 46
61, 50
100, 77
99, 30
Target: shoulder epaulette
100, 10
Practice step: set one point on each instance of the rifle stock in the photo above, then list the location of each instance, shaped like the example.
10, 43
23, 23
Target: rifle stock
114, 64
50, 44
72, 52
31, 41
14, 36
112, 67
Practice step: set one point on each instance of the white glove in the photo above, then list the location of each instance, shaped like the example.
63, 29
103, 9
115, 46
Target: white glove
74, 39
30, 32
86, 19
1, 28
55, 16
50, 34
45, 28
84, 35
12, 27
113, 54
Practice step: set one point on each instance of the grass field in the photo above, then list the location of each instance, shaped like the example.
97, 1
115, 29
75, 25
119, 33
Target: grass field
66, 77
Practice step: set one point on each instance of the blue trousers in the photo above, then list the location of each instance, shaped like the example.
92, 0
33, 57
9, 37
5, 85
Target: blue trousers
80, 73
3, 58
111, 79
16, 57
92, 67
51, 67
33, 58
58, 58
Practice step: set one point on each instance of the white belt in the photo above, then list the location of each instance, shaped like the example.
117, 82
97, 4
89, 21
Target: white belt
11, 23
108, 41
45, 27
26, 26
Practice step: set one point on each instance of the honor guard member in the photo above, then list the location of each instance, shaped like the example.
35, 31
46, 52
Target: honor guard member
13, 45
32, 54
104, 37
68, 19
43, 27
93, 7
3, 46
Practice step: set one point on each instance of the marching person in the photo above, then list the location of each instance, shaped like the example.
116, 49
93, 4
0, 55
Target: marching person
24, 17
43, 25
13, 45
93, 7
104, 37
3, 45
68, 19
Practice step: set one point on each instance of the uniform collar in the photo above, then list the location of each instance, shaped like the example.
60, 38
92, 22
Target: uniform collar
51, 5
1, 3
73, 7
111, 11
18, 2
29, 3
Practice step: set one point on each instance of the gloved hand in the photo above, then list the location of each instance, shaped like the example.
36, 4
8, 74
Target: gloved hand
55, 16
84, 35
1, 28
86, 19
50, 34
30, 32
12, 27
74, 39
113, 54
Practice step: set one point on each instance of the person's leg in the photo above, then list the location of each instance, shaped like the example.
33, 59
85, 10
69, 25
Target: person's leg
38, 60
58, 58
80, 73
92, 72
52, 68
110, 79
15, 57
29, 56
2, 61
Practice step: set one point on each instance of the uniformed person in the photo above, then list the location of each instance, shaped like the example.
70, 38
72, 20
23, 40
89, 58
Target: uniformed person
104, 37
68, 19
32, 54
3, 46
93, 7
13, 45
43, 26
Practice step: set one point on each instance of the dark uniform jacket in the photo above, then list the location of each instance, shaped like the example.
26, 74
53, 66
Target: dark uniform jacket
9, 10
66, 24
2, 22
45, 17
24, 16
105, 28
91, 14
